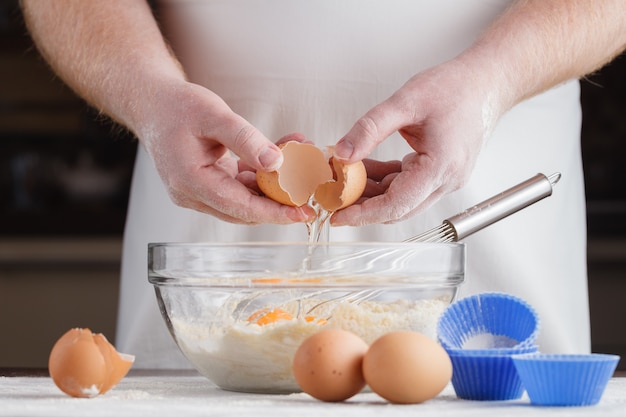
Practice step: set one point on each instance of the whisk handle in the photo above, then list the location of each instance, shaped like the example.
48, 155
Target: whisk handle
502, 205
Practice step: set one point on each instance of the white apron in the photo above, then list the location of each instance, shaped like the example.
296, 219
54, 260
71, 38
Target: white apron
315, 66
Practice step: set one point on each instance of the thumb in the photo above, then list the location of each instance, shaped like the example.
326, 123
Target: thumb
370, 130
254, 148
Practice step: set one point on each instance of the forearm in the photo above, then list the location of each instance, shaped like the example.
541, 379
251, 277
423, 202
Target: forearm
538, 44
110, 52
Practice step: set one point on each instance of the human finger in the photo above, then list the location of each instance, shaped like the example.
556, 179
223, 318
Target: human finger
369, 131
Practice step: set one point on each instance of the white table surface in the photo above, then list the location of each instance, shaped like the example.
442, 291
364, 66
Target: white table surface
188, 394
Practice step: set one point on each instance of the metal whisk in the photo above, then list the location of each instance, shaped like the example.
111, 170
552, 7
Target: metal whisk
464, 224
490, 211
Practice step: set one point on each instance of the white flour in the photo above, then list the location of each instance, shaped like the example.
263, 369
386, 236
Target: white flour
248, 357
489, 341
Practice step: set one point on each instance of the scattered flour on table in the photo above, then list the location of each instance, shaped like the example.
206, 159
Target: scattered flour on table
133, 395
238, 355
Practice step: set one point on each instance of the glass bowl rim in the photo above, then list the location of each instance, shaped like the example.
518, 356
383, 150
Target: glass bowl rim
302, 243
439, 282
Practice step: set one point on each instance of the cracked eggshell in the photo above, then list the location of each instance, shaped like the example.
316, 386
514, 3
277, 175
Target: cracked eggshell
304, 168
307, 172
347, 187
83, 364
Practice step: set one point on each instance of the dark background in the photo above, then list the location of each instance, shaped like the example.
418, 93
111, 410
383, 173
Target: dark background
64, 181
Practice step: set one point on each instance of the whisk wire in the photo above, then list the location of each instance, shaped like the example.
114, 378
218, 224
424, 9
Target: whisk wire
440, 234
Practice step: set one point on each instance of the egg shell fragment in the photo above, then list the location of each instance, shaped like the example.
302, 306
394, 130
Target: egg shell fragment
83, 364
346, 189
406, 367
327, 365
118, 364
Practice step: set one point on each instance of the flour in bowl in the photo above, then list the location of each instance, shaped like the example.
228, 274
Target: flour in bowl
243, 356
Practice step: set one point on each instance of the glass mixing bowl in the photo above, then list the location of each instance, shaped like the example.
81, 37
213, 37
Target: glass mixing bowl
239, 311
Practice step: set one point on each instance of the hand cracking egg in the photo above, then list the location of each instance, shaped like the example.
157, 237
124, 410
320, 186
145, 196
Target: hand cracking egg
84, 364
306, 172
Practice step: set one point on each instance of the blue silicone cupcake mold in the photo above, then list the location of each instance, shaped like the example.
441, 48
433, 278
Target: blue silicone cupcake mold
565, 380
488, 321
486, 374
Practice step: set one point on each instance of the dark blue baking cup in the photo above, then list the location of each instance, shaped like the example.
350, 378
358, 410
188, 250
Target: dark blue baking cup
486, 374
488, 320
565, 380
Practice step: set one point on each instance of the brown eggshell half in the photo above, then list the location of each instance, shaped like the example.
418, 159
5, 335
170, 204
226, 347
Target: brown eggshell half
304, 168
82, 364
346, 189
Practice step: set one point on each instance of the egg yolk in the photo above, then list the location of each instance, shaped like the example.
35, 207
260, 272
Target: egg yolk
310, 319
267, 281
267, 316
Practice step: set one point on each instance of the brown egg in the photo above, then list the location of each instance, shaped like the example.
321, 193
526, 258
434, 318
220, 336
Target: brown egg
306, 171
406, 367
83, 364
327, 365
